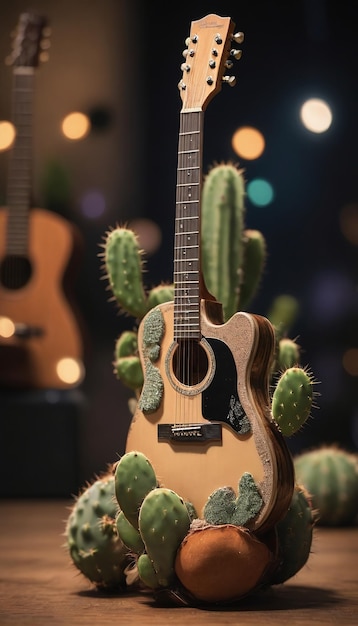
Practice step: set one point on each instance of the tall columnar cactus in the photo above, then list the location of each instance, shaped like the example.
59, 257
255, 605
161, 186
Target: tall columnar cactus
222, 234
330, 474
92, 540
123, 265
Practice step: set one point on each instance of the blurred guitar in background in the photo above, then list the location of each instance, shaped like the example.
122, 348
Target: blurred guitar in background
41, 340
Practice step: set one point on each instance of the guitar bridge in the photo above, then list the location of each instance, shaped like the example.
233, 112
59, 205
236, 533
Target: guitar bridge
185, 433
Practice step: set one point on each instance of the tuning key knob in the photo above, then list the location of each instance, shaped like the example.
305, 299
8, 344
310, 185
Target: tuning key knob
229, 80
238, 37
237, 54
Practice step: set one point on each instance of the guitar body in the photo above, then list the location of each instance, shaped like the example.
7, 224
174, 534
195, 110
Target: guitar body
232, 393
42, 304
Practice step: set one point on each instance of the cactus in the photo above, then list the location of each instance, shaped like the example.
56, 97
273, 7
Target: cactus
163, 523
222, 506
123, 262
92, 539
222, 234
330, 474
253, 265
134, 479
292, 400
294, 535
127, 363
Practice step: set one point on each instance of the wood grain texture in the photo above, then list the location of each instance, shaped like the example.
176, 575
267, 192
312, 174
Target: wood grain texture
40, 586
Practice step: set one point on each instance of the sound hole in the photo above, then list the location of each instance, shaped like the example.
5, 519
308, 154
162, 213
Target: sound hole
15, 271
190, 362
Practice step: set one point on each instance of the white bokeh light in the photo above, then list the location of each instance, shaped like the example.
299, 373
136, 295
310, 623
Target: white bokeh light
316, 115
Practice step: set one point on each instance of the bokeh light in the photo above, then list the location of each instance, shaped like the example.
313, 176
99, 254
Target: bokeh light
76, 126
70, 371
148, 233
248, 142
7, 135
260, 192
7, 327
316, 115
350, 361
348, 221
93, 204
331, 295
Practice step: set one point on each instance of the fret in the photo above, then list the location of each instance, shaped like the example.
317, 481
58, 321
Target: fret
187, 233
20, 166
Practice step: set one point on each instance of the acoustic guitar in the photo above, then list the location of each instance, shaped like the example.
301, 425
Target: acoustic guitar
203, 417
39, 325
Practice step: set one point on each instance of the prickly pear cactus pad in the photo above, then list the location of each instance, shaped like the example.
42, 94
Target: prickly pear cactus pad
92, 539
330, 474
292, 400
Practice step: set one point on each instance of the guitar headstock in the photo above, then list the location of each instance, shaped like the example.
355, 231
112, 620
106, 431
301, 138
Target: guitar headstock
30, 41
207, 57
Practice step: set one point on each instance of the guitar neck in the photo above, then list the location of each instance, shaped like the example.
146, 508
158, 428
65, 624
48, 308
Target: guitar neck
187, 274
20, 167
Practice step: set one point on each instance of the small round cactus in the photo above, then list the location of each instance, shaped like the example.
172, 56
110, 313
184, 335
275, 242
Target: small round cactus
92, 539
330, 474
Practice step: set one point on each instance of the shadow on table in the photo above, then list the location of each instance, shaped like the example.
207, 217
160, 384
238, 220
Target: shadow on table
278, 598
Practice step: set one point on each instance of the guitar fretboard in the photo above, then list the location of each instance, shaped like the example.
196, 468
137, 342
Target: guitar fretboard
20, 167
187, 228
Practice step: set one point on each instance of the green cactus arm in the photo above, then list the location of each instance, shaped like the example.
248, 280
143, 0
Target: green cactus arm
253, 266
123, 263
222, 233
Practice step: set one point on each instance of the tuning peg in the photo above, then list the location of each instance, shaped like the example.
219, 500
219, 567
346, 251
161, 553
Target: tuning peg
237, 54
229, 80
238, 37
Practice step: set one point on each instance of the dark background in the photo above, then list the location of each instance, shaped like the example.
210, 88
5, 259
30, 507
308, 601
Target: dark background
120, 62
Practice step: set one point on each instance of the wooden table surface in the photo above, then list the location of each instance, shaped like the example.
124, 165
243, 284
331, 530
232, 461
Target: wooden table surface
39, 584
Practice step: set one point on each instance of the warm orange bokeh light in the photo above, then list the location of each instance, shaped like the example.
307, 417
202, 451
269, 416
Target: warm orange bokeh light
7, 135
248, 142
76, 126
